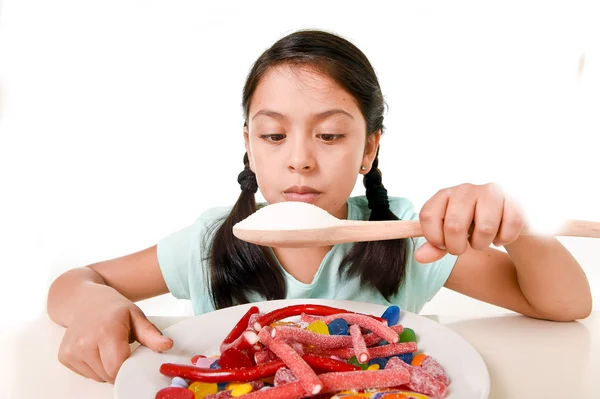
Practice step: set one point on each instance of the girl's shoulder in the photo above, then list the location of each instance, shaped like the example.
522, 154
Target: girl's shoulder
358, 208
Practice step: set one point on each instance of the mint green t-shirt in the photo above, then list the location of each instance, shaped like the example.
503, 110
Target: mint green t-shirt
182, 258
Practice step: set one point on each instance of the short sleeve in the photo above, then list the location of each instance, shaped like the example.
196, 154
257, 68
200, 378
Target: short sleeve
181, 255
422, 281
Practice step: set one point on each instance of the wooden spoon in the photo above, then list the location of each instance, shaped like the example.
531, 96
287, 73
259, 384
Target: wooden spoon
337, 231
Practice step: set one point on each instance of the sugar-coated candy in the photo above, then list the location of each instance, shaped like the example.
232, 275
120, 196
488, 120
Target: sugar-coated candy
201, 389
284, 376
319, 327
338, 327
174, 393
408, 335
392, 315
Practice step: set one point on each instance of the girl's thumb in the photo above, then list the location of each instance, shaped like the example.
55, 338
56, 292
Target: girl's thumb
147, 334
428, 253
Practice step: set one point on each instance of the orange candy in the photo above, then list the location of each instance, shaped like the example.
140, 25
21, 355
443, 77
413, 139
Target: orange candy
417, 360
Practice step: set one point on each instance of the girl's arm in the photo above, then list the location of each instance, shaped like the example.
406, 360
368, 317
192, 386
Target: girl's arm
538, 278
136, 277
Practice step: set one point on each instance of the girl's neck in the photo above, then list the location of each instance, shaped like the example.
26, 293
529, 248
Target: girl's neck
303, 263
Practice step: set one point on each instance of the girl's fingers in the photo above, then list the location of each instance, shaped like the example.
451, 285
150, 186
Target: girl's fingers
95, 363
513, 222
488, 216
114, 351
432, 216
459, 215
79, 367
428, 253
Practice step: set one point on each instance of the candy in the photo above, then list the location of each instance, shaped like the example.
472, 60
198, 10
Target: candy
319, 327
201, 389
376, 351
380, 361
369, 323
323, 341
179, 382
263, 356
418, 360
406, 357
435, 370
210, 375
338, 381
234, 359
174, 393
295, 310
408, 335
354, 361
239, 389
338, 327
284, 376
392, 315
323, 363
373, 366
239, 328
360, 348
196, 357
204, 362
420, 380
308, 378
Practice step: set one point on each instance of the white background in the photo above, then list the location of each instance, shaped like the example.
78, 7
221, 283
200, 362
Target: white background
120, 121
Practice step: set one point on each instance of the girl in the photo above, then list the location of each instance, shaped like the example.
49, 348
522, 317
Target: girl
313, 113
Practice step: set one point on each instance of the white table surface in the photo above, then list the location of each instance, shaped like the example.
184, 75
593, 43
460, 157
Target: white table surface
526, 358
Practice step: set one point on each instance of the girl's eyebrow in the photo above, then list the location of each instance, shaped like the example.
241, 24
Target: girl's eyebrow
316, 117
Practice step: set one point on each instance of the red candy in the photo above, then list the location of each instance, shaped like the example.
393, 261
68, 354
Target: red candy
174, 393
234, 359
435, 370
420, 380
334, 382
308, 378
358, 342
284, 376
374, 352
369, 323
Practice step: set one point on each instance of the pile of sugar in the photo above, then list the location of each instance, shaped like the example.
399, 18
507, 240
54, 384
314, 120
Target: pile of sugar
288, 215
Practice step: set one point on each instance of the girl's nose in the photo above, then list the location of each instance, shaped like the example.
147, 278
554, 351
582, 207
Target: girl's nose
301, 157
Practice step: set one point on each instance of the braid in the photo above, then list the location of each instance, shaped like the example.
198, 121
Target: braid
379, 264
238, 268
376, 193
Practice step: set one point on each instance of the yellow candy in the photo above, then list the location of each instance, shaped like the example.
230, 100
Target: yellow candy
318, 327
201, 389
238, 389
374, 366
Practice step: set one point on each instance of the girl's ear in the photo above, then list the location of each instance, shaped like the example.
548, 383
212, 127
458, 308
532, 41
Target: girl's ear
247, 145
371, 147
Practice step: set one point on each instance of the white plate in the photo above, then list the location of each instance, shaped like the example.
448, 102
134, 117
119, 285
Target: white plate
139, 377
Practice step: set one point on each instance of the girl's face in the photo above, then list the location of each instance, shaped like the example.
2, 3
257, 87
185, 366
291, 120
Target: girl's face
306, 139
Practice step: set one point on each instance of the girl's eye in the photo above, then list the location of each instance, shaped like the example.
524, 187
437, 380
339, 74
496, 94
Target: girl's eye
329, 138
273, 138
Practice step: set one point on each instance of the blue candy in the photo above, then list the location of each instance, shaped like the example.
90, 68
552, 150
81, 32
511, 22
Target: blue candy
392, 315
381, 361
406, 357
215, 365
221, 385
338, 327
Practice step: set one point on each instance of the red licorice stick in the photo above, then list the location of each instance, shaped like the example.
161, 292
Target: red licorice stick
221, 375
335, 382
249, 373
296, 310
241, 326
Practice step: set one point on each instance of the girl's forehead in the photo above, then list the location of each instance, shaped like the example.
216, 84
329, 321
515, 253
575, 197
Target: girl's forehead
300, 89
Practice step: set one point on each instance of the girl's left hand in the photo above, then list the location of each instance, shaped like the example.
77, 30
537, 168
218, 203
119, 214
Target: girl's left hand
446, 220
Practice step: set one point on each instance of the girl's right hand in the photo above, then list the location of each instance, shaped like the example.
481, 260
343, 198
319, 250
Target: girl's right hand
96, 342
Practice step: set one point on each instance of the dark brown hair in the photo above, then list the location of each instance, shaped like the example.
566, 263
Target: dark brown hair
238, 268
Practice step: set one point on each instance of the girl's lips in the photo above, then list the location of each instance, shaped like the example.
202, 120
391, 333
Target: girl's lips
301, 197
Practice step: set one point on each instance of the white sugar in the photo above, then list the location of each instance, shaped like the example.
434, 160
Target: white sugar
288, 215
